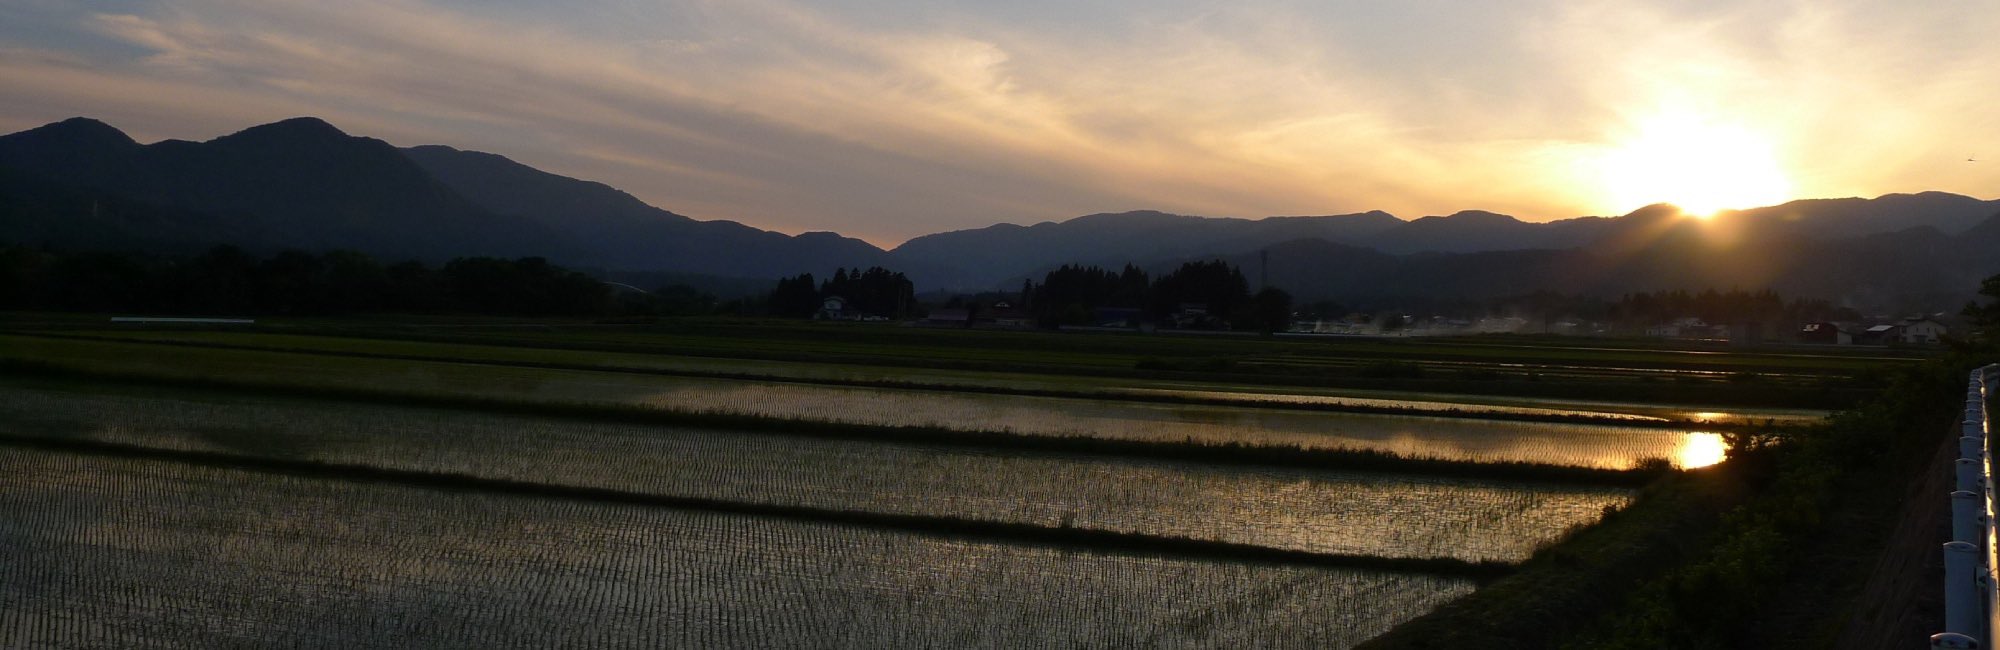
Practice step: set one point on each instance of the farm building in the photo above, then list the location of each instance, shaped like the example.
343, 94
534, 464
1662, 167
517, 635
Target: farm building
1880, 335
1825, 333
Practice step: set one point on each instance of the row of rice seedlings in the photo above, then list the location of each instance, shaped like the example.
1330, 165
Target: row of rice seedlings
1318, 511
131, 553
1582, 445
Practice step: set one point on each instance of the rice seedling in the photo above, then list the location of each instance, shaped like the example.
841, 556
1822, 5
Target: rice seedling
1479, 440
1297, 509
136, 553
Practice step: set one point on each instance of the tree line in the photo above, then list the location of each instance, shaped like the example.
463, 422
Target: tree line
1198, 295
873, 292
227, 280
1203, 295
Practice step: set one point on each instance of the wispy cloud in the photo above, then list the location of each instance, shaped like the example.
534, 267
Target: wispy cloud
796, 118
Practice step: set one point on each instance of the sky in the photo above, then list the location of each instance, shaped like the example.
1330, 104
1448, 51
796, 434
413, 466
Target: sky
887, 120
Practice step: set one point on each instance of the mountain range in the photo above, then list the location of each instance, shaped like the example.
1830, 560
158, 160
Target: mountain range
303, 183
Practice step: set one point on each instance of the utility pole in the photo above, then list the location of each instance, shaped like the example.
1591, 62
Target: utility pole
1263, 269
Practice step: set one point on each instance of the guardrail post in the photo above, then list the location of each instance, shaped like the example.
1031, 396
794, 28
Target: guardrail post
1971, 475
1968, 518
1952, 641
1963, 611
1971, 588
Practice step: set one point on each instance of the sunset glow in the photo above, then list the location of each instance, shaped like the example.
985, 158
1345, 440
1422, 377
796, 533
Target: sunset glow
888, 120
1698, 165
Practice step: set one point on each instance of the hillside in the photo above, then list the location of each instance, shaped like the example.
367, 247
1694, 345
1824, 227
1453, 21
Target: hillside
303, 183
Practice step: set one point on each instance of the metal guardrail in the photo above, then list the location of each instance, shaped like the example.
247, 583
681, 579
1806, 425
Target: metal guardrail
1971, 590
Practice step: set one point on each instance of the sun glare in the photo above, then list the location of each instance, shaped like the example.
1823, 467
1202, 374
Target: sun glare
1701, 450
1700, 166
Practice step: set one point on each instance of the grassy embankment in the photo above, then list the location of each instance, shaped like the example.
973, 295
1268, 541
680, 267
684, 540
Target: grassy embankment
1764, 550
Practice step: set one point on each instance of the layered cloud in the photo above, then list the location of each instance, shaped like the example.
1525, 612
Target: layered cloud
886, 121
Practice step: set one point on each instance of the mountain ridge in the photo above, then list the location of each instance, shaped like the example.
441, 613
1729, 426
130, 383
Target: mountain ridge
303, 182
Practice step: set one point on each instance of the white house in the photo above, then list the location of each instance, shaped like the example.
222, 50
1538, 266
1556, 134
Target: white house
833, 308
1922, 330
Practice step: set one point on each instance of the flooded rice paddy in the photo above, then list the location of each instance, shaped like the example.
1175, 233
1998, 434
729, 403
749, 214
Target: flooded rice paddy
143, 554
1579, 444
1310, 510
976, 379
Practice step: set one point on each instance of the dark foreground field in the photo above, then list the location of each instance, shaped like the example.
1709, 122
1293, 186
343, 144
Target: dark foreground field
747, 483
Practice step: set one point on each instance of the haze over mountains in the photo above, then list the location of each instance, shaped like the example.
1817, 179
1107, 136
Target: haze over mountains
303, 183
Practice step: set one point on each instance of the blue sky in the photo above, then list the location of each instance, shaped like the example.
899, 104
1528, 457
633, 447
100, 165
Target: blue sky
886, 120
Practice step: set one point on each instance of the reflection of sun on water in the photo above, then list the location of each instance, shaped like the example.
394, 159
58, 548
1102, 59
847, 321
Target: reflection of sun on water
1700, 450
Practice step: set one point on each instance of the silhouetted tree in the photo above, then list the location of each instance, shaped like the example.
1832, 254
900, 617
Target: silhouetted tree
1071, 295
1270, 311
1986, 318
227, 280
1215, 285
795, 297
876, 291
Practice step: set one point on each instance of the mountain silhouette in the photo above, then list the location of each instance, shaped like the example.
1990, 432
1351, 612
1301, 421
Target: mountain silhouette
300, 182
988, 257
621, 232
304, 183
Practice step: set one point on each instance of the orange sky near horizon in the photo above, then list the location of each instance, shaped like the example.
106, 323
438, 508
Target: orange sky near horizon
887, 120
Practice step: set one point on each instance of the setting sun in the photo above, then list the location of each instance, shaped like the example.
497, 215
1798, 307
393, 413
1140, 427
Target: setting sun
1701, 166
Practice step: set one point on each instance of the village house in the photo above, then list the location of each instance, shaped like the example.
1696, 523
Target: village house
833, 308
1005, 316
1921, 331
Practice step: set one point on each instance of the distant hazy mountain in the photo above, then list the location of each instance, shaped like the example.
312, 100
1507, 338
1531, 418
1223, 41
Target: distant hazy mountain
303, 183
1916, 268
1950, 214
997, 256
621, 232
299, 182
988, 256
1478, 230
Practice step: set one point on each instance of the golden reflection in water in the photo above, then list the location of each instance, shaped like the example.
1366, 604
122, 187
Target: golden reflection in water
1707, 416
1700, 450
